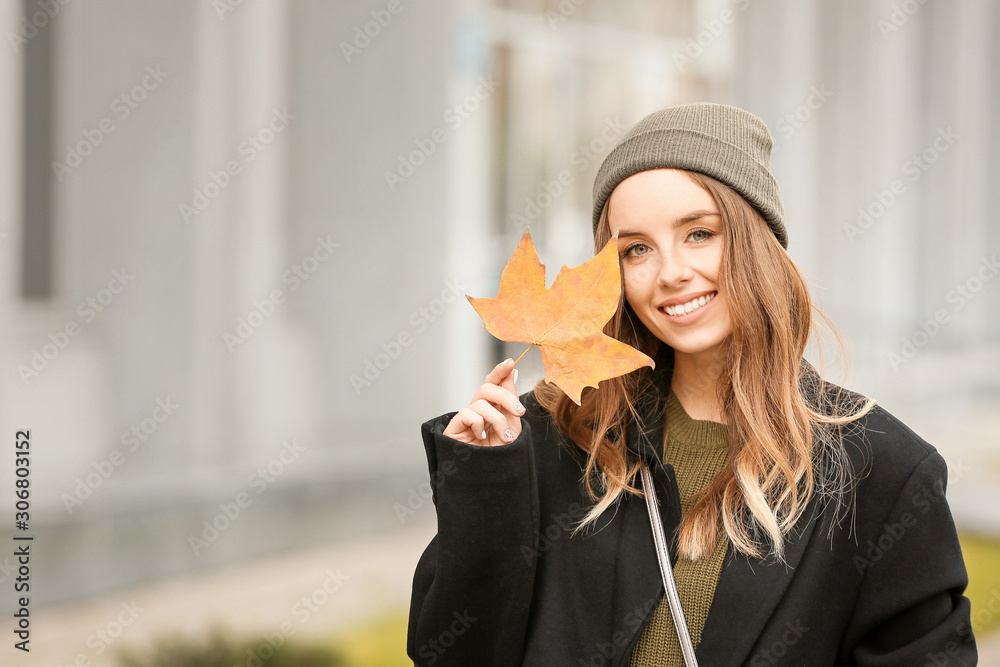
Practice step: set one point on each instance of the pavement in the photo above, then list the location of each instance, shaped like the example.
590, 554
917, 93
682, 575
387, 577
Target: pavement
311, 593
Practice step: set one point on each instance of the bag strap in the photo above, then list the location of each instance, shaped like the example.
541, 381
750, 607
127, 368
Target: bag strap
666, 570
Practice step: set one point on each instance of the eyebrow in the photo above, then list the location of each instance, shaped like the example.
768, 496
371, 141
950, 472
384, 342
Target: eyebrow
684, 219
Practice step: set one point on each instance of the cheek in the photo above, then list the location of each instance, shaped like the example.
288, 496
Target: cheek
725, 319
711, 264
638, 278
633, 284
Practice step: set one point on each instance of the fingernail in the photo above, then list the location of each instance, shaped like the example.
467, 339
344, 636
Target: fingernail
483, 437
508, 360
508, 434
518, 407
515, 375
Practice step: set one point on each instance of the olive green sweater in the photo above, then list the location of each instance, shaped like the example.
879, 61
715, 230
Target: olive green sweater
697, 450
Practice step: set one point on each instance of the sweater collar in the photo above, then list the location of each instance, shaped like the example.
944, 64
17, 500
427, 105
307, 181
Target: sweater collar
645, 435
731, 628
692, 433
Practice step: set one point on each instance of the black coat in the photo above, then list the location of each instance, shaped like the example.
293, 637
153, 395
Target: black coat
503, 583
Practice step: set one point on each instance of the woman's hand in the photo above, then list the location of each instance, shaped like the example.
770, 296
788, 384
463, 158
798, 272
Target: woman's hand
493, 416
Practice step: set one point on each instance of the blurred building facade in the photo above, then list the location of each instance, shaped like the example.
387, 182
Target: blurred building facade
239, 234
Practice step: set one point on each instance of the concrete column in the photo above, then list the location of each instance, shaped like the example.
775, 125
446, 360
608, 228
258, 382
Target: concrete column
273, 397
471, 244
213, 231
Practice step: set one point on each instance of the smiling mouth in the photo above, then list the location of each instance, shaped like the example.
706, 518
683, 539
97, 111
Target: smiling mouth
690, 306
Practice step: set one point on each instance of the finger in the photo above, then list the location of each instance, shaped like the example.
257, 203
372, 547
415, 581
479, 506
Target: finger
510, 382
500, 371
506, 400
496, 419
502, 397
467, 425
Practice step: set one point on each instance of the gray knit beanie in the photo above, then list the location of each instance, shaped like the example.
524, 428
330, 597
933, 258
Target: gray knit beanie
727, 143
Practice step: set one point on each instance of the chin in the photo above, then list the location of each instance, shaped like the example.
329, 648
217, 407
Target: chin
695, 348
700, 343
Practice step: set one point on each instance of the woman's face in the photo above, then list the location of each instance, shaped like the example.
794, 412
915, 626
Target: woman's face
670, 243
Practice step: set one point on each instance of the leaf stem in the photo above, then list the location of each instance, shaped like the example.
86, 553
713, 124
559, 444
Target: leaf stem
522, 354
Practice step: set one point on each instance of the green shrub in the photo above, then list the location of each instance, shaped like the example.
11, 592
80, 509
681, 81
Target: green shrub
220, 651
982, 560
381, 642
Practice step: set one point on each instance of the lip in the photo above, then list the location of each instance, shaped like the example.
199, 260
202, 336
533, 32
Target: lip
694, 315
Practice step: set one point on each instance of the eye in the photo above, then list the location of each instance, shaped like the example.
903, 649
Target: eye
640, 248
701, 235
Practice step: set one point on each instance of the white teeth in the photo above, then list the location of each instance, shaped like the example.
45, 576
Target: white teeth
690, 306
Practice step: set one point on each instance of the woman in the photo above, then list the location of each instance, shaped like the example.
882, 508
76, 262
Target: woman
806, 525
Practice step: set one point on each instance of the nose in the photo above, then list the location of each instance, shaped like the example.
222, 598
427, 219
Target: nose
674, 270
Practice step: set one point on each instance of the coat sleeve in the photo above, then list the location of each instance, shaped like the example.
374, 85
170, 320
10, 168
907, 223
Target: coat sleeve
911, 609
472, 588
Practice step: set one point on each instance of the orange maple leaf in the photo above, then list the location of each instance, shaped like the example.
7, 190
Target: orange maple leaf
566, 322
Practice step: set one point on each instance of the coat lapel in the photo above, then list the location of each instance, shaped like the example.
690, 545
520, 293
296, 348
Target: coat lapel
645, 435
748, 590
746, 596
645, 439
638, 584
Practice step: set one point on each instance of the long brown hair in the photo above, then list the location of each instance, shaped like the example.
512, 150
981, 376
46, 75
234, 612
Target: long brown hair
784, 445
